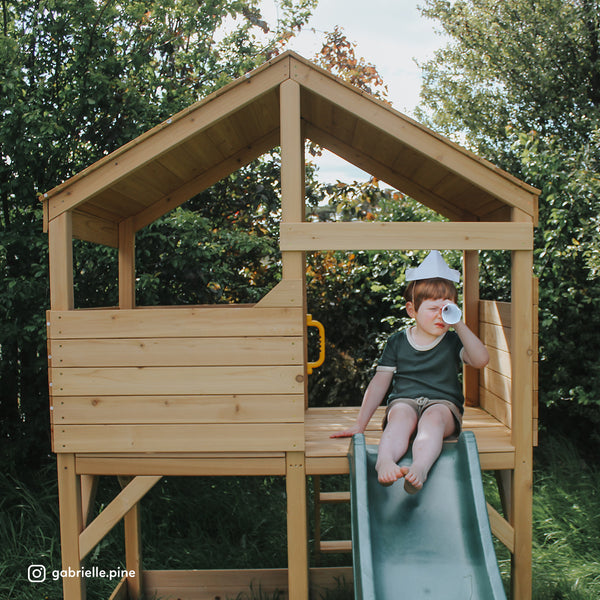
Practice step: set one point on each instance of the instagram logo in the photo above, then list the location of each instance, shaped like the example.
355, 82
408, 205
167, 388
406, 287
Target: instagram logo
36, 573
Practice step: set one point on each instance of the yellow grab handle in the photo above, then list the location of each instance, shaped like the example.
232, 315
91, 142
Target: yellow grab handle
313, 365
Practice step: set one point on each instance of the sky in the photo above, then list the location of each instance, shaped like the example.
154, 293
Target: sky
391, 34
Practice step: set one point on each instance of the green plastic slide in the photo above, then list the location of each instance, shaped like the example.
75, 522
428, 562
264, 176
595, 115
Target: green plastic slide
434, 545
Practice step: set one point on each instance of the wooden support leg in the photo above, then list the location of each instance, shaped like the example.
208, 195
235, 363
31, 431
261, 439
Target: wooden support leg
504, 482
317, 513
71, 525
133, 546
133, 551
297, 526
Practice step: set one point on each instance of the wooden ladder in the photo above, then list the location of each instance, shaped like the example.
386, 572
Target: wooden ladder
321, 498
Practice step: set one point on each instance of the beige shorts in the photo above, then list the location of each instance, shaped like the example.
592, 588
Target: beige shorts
420, 405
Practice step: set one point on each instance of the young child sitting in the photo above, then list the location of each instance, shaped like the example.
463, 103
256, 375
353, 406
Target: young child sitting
422, 364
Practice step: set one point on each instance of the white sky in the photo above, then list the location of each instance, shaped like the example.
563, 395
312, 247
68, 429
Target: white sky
391, 34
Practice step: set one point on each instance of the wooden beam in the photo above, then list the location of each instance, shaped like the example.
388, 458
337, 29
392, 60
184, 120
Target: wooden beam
185, 437
501, 528
60, 232
406, 236
126, 264
522, 414
95, 229
114, 512
205, 180
292, 193
471, 318
297, 526
71, 524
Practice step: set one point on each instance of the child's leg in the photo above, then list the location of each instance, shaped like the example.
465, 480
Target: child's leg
401, 422
436, 423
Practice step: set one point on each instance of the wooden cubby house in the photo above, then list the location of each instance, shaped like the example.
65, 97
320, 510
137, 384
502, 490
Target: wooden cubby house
221, 390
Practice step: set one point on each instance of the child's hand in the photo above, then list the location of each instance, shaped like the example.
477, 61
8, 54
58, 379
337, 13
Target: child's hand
348, 432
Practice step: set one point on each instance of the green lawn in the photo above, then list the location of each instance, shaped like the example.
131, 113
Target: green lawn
240, 523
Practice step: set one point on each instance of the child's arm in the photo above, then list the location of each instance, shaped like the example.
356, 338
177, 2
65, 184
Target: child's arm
475, 354
374, 395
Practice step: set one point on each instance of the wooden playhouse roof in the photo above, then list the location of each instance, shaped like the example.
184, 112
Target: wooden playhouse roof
214, 137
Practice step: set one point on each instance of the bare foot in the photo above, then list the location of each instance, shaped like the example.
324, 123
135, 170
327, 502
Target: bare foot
388, 472
413, 480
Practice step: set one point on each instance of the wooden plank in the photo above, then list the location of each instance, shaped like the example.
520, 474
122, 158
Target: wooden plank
496, 383
182, 352
207, 178
97, 410
495, 336
202, 321
114, 512
288, 292
214, 584
181, 465
247, 437
92, 228
165, 381
360, 235
499, 361
496, 406
496, 313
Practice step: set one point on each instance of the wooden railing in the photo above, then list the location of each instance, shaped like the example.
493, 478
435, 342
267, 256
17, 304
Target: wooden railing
177, 379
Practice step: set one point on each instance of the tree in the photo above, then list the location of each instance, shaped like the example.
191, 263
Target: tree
79, 78
520, 82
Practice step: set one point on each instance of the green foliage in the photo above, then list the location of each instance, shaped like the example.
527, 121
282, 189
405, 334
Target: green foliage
520, 82
227, 533
358, 296
78, 79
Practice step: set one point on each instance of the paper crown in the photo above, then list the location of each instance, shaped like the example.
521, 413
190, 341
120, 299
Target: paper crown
434, 265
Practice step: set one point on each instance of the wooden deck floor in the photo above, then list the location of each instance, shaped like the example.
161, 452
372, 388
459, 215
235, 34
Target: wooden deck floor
325, 455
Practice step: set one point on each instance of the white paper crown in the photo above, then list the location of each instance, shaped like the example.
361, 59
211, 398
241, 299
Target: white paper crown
434, 265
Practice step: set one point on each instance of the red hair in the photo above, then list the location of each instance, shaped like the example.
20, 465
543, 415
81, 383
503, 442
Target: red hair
430, 289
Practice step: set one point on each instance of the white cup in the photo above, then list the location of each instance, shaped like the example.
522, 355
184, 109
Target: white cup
451, 314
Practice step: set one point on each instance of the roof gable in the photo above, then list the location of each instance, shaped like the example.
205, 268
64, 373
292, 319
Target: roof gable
214, 137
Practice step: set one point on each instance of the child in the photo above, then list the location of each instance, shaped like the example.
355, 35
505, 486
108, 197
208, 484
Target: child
422, 364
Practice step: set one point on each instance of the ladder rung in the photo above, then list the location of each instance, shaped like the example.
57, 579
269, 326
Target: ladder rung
326, 497
336, 546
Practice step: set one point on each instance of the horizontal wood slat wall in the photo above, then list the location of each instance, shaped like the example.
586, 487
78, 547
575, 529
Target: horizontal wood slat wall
496, 377
177, 379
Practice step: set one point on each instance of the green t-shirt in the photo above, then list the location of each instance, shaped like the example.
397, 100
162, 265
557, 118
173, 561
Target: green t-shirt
430, 372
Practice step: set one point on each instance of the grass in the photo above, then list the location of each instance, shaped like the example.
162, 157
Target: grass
240, 523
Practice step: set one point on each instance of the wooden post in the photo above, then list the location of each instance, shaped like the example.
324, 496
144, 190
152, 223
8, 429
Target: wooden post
71, 525
126, 264
60, 250
292, 209
522, 393
471, 310
297, 526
